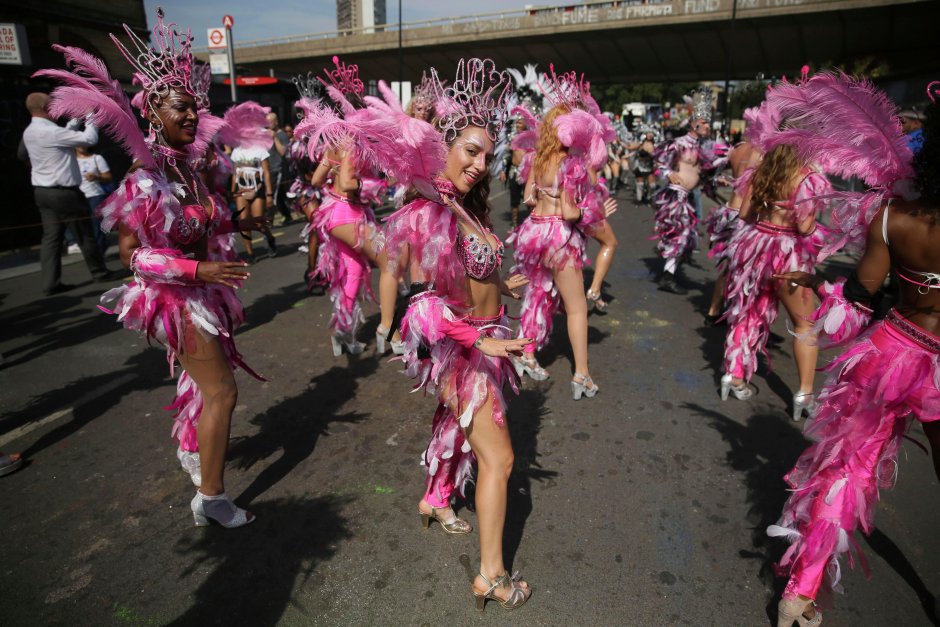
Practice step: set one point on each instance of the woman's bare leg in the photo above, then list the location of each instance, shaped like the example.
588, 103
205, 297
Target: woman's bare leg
605, 256
570, 284
799, 303
244, 213
205, 362
718, 292
493, 449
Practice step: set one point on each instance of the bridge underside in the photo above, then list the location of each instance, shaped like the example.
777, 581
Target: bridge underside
902, 36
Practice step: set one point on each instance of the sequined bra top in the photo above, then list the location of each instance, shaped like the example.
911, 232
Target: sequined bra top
191, 223
477, 257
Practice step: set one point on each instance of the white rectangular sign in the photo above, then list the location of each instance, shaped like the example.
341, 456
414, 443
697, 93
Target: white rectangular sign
217, 38
13, 50
218, 63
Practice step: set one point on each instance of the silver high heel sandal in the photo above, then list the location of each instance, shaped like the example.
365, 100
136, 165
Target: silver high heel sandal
220, 509
191, 465
594, 299
803, 401
341, 340
455, 527
585, 387
742, 391
517, 594
530, 367
794, 610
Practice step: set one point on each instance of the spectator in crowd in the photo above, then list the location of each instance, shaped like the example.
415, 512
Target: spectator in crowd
96, 183
912, 123
56, 179
277, 163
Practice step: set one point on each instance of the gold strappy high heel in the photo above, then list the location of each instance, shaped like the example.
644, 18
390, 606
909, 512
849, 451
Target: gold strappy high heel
517, 594
456, 527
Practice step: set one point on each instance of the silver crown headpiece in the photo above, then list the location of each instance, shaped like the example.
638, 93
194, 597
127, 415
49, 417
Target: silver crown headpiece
702, 98
308, 86
476, 98
163, 66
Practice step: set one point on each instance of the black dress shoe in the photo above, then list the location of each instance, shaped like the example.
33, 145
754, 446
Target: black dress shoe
667, 283
711, 321
58, 289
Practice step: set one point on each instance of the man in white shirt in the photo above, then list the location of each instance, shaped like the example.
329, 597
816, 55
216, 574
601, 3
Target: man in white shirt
56, 179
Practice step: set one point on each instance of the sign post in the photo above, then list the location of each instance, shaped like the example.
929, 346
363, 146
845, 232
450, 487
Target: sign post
218, 50
228, 21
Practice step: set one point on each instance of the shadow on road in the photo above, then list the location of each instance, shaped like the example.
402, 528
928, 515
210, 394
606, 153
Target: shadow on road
256, 569
764, 450
143, 371
295, 425
525, 421
891, 553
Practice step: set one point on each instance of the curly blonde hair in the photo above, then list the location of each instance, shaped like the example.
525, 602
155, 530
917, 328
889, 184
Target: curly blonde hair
773, 180
549, 146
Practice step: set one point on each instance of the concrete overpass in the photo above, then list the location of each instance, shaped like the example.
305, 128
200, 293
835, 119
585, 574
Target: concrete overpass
633, 41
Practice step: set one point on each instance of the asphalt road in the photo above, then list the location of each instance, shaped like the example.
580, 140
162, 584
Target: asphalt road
643, 506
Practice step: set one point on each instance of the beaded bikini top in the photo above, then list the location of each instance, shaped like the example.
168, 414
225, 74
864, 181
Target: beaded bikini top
191, 223
477, 257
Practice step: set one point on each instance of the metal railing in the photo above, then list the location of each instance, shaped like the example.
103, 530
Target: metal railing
527, 11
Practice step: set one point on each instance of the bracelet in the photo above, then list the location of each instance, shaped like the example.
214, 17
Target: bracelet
479, 341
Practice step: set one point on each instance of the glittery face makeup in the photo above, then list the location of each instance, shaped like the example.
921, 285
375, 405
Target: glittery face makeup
177, 115
469, 158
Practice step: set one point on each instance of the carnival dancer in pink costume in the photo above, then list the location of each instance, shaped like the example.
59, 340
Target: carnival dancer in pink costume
305, 196
245, 130
722, 223
172, 235
889, 375
682, 161
569, 201
351, 238
779, 213
457, 342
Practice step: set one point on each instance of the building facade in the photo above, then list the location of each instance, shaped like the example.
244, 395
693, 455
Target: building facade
353, 15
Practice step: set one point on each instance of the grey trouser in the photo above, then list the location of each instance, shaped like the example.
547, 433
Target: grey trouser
58, 208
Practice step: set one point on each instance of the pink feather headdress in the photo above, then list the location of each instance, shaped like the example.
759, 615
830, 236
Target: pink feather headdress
425, 95
477, 97
201, 81
88, 90
345, 78
245, 125
164, 66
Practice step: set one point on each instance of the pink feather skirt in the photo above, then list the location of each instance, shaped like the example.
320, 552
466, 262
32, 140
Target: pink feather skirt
721, 225
885, 379
675, 223
170, 314
542, 246
757, 252
461, 378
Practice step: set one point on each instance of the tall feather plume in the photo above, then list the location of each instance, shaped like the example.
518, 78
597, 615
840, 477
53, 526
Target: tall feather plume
246, 126
846, 125
88, 90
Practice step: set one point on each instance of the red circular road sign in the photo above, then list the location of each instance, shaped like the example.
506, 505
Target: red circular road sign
228, 21
252, 81
216, 37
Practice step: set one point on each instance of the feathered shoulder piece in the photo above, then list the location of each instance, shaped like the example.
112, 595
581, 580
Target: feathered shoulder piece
88, 90
245, 125
146, 203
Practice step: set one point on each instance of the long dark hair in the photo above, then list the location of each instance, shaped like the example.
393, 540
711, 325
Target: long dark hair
927, 164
